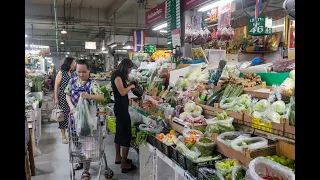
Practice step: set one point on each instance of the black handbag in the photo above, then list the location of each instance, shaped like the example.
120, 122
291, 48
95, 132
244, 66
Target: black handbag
138, 91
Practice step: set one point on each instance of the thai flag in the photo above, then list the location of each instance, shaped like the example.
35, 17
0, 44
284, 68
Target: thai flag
256, 14
139, 40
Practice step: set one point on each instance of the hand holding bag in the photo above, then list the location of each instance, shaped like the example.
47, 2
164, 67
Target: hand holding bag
57, 114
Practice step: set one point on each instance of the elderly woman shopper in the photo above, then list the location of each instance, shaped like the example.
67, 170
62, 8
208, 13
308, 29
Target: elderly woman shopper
87, 88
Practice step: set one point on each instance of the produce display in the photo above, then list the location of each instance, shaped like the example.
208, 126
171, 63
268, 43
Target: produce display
227, 137
168, 139
141, 138
107, 97
205, 131
283, 161
205, 146
251, 143
226, 166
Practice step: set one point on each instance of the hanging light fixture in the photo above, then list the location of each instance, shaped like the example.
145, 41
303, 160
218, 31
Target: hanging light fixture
64, 30
128, 44
61, 42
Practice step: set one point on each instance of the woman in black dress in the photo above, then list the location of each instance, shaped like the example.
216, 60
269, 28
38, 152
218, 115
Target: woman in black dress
123, 129
60, 85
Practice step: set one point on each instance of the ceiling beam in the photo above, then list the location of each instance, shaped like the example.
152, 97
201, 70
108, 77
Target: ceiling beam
116, 4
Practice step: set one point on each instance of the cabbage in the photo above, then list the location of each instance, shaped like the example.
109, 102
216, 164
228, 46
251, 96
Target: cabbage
262, 105
183, 115
239, 107
197, 111
273, 116
257, 115
279, 107
189, 106
245, 99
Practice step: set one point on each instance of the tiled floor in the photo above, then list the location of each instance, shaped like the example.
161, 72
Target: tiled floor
53, 163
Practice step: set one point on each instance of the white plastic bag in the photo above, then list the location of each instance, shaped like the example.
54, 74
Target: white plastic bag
257, 142
231, 136
262, 166
136, 118
85, 118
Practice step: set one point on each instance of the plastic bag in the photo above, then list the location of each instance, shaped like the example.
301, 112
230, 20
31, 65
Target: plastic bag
211, 173
192, 154
136, 118
206, 149
227, 137
236, 174
257, 142
226, 169
262, 166
228, 102
192, 133
218, 127
85, 118
156, 130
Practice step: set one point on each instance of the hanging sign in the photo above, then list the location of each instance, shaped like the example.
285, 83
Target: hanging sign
90, 45
156, 15
224, 15
213, 16
264, 26
176, 37
189, 4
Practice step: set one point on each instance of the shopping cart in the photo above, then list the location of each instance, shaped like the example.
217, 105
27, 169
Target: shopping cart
88, 148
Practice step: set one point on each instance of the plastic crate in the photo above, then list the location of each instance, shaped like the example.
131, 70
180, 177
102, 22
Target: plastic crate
190, 166
151, 140
112, 126
167, 150
158, 144
174, 154
205, 176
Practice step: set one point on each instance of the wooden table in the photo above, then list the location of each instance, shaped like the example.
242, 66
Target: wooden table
30, 150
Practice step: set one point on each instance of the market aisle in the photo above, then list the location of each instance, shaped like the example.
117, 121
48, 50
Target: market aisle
54, 164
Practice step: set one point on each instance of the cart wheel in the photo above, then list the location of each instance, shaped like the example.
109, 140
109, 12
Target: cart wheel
108, 174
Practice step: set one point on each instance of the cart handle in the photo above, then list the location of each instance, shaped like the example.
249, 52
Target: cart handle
98, 112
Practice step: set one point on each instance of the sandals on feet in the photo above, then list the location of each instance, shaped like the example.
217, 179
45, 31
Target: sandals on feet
78, 166
127, 168
85, 176
129, 161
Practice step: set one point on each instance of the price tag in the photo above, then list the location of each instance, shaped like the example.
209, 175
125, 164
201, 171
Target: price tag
187, 176
261, 124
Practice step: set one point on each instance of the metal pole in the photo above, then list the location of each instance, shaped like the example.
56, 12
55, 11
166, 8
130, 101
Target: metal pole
56, 21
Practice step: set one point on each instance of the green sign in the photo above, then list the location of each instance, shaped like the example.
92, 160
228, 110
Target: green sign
149, 48
263, 27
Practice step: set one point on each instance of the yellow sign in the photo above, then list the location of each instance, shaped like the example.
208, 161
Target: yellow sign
262, 124
26, 59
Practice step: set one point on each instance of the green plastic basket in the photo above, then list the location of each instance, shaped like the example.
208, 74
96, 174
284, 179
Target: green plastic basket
111, 124
273, 78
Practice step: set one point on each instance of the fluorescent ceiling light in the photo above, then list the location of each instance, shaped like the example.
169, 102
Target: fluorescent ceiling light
62, 42
49, 61
212, 5
127, 47
68, 53
63, 32
163, 31
25, 35
113, 45
282, 25
169, 42
212, 25
160, 27
27, 45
